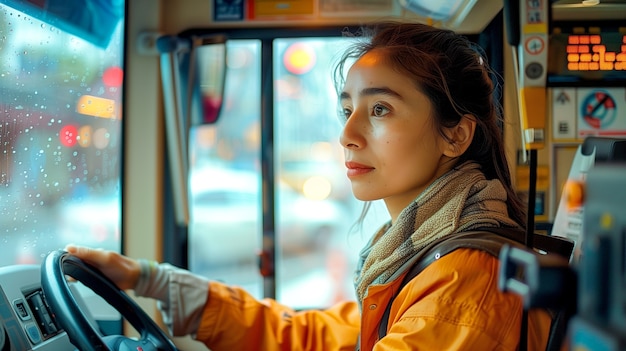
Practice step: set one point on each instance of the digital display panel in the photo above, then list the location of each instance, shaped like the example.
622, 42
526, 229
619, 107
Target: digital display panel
587, 54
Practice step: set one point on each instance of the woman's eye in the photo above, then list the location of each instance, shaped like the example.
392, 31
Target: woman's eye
346, 113
379, 110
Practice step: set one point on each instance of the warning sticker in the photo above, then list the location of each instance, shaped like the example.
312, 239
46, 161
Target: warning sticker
601, 111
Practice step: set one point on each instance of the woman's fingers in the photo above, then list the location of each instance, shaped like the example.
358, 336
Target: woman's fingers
122, 270
96, 257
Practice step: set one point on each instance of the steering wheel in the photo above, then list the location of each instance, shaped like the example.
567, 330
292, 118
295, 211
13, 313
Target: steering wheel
80, 331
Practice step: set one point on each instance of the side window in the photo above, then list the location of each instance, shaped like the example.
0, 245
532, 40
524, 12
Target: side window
314, 207
60, 132
225, 178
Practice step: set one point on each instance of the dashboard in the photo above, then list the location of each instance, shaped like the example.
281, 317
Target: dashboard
26, 321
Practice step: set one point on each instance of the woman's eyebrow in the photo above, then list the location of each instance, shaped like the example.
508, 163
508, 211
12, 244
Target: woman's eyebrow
373, 91
380, 91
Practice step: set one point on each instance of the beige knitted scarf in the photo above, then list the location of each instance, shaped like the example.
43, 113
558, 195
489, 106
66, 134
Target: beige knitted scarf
460, 200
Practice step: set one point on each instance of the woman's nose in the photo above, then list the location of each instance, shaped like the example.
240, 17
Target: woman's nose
351, 137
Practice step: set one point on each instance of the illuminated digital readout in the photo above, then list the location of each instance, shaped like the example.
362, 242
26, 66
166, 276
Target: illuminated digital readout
585, 55
588, 53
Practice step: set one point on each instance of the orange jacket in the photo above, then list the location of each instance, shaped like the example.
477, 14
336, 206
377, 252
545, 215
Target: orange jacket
454, 304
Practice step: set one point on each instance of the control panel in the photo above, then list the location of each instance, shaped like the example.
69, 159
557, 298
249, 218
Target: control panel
26, 322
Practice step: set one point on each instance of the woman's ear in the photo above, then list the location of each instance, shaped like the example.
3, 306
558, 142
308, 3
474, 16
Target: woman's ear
460, 136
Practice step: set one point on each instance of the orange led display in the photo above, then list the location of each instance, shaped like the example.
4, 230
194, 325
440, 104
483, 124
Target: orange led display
587, 53
579, 54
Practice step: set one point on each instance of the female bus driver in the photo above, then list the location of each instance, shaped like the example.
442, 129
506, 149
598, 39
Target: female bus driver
421, 133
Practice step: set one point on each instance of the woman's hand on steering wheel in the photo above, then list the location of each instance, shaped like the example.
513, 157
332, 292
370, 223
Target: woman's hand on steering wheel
122, 270
87, 266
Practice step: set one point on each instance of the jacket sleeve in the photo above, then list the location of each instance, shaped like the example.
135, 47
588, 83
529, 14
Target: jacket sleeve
235, 320
180, 294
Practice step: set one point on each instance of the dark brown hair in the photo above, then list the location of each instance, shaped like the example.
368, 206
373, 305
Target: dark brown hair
454, 74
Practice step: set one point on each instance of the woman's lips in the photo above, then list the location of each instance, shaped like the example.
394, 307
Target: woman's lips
357, 169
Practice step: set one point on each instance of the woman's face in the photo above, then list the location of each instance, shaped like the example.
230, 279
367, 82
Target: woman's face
393, 150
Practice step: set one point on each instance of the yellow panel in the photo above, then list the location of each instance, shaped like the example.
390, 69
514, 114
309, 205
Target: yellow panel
534, 111
283, 8
95, 106
523, 178
535, 28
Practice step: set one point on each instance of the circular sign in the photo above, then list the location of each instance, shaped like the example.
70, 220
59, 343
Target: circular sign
534, 45
534, 70
598, 109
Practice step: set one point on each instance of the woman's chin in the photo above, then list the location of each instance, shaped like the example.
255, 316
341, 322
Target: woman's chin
364, 196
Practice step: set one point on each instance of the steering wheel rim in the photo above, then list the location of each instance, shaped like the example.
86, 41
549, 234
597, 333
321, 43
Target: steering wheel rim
69, 315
